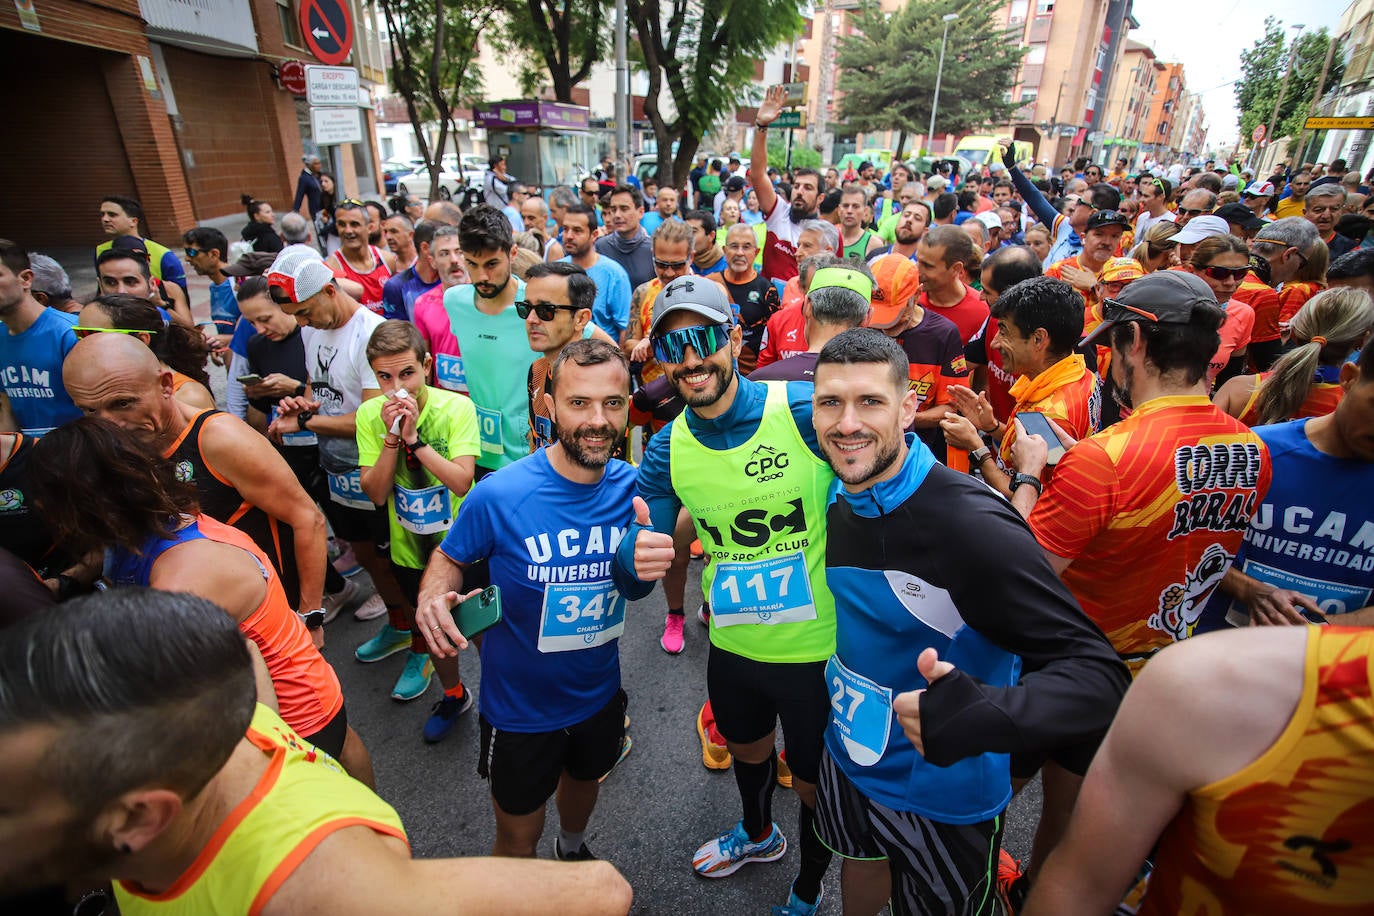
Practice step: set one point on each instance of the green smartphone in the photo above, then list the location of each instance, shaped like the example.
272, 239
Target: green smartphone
480, 613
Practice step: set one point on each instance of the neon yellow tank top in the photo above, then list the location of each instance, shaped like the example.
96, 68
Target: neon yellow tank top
301, 798
759, 509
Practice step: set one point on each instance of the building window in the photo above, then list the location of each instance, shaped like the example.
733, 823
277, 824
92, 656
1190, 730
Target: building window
290, 28
1029, 95
1044, 7
1036, 55
1018, 11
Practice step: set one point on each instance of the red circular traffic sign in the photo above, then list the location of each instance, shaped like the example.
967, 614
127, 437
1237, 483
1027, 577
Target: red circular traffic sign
327, 29
1258, 133
292, 76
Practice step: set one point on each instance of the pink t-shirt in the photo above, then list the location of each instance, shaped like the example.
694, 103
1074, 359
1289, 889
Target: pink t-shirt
1235, 335
432, 321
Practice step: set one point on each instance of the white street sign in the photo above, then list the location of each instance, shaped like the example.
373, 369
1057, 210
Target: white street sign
331, 85
332, 126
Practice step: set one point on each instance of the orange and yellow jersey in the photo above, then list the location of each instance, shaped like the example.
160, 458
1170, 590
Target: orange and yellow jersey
1294, 296
641, 319
1092, 310
301, 798
1321, 400
1151, 512
1263, 298
1068, 392
1291, 832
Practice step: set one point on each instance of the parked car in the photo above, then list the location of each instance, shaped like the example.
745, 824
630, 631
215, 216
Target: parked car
394, 169
452, 181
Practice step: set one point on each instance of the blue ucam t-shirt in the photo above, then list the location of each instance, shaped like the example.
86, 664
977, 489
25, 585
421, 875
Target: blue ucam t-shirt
31, 372
611, 308
1313, 533
554, 659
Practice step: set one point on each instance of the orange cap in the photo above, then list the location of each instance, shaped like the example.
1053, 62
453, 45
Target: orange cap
1121, 270
897, 282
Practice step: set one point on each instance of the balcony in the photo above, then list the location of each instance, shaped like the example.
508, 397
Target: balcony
1031, 74
1039, 29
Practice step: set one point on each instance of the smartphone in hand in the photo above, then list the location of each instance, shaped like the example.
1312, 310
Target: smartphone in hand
479, 614
1036, 424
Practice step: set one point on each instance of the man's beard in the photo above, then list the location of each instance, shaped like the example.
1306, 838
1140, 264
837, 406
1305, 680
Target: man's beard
799, 212
1121, 390
706, 397
495, 290
908, 240
571, 440
855, 475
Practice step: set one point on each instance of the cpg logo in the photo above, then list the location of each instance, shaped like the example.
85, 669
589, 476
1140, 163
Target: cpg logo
11, 500
766, 463
185, 471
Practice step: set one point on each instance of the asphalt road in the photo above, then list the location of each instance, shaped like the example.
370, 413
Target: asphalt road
655, 809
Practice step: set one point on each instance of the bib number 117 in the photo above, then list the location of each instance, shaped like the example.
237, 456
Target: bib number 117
758, 585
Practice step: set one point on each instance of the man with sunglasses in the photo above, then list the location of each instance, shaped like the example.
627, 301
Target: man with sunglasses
672, 250
744, 461
35, 341
1066, 229
1143, 519
1197, 202
1154, 203
1101, 241
1278, 252
557, 310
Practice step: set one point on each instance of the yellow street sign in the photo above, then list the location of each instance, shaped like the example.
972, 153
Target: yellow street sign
1339, 124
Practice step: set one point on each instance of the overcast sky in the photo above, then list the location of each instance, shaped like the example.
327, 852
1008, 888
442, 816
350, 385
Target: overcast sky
1209, 47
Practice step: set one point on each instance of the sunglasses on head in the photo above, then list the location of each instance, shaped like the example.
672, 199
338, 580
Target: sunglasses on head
545, 310
87, 332
1222, 274
1115, 310
706, 340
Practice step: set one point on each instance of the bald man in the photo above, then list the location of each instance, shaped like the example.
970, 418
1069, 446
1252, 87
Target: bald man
241, 479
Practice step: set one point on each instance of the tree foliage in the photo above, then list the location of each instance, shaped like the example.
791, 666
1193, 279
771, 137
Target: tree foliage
558, 40
1262, 68
433, 48
803, 156
887, 68
700, 54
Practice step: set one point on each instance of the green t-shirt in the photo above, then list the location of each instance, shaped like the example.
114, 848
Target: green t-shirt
887, 228
497, 359
448, 424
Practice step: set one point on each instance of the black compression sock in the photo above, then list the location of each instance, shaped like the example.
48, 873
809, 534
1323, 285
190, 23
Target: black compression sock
815, 857
756, 783
676, 612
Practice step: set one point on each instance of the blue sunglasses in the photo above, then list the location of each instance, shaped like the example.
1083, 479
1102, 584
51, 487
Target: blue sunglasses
671, 347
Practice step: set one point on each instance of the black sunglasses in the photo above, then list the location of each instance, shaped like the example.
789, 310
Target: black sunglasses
545, 310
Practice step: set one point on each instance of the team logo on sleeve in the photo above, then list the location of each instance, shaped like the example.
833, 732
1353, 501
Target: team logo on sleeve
185, 471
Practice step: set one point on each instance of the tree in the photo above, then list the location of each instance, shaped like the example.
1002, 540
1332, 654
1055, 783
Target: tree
888, 66
1262, 67
560, 39
703, 53
803, 156
433, 46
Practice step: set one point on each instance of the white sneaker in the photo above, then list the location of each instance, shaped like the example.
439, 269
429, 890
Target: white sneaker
345, 599
371, 609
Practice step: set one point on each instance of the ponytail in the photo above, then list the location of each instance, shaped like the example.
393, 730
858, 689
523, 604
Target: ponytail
1328, 327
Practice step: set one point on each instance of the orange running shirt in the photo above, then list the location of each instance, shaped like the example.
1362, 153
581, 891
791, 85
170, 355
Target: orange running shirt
1321, 400
1291, 832
1068, 393
1261, 297
1151, 511
1294, 296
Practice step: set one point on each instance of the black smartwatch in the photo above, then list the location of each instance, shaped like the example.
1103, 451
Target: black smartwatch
1018, 479
303, 418
300, 391
313, 620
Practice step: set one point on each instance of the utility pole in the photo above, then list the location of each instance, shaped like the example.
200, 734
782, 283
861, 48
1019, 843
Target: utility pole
622, 91
939, 73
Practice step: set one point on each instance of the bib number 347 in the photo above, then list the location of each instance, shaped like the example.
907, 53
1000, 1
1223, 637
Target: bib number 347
580, 615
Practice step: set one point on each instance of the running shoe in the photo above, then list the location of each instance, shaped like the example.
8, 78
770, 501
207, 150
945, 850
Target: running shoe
444, 714
732, 850
346, 563
696, 550
583, 854
387, 642
1011, 883
704, 613
795, 906
348, 598
672, 640
784, 771
371, 609
714, 755
626, 742
415, 676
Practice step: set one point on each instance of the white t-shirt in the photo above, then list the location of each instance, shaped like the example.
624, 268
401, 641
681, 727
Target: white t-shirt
336, 360
1145, 221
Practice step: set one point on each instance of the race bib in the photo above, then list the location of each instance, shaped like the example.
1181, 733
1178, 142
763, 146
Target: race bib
860, 712
775, 590
450, 374
428, 510
305, 437
347, 490
1334, 598
489, 430
580, 615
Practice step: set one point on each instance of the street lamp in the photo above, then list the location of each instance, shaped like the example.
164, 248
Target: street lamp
939, 72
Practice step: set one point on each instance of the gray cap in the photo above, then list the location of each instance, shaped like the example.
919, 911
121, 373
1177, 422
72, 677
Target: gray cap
1168, 295
693, 294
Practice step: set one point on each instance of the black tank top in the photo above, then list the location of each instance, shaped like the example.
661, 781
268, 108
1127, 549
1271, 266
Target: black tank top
222, 502
22, 532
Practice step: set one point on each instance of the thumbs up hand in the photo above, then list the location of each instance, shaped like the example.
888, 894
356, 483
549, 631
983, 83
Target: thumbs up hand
907, 705
653, 549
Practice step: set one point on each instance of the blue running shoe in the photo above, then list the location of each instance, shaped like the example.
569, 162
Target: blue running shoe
796, 906
444, 715
415, 677
731, 851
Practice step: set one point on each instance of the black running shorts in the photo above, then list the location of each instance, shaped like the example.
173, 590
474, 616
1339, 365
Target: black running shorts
749, 698
524, 768
936, 868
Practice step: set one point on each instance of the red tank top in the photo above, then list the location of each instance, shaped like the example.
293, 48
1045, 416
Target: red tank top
372, 282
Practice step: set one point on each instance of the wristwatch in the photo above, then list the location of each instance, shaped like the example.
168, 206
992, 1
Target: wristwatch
299, 391
979, 455
303, 418
1018, 479
313, 620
